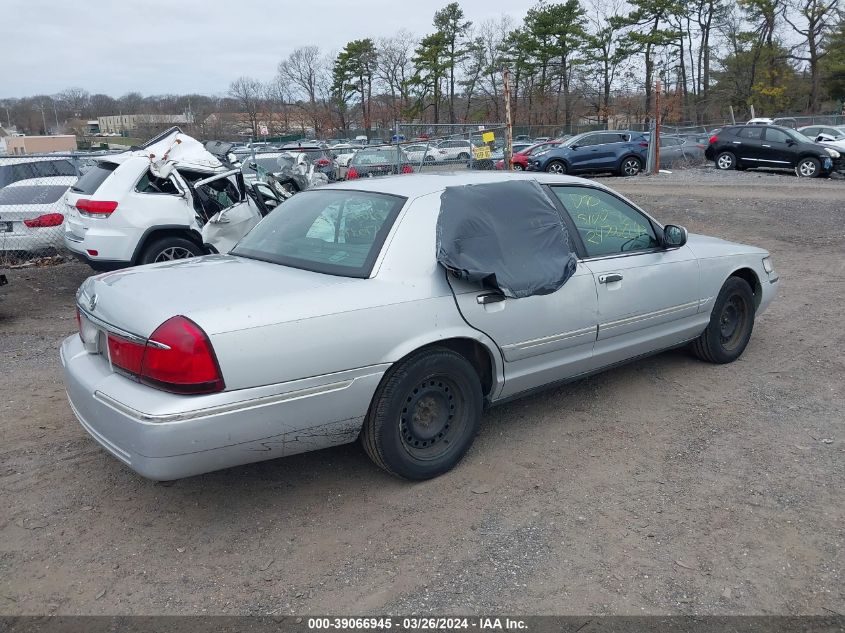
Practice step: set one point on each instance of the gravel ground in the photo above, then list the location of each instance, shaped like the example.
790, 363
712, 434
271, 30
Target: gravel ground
668, 486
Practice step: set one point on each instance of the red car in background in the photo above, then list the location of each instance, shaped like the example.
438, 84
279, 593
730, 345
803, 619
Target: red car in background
520, 158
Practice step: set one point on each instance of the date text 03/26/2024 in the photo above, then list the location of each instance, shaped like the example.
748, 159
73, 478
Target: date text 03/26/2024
417, 623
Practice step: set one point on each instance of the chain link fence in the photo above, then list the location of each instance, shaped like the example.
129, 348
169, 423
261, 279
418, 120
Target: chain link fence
32, 207
432, 148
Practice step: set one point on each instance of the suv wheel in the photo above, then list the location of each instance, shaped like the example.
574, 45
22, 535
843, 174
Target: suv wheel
725, 161
808, 168
631, 166
168, 249
556, 167
463, 156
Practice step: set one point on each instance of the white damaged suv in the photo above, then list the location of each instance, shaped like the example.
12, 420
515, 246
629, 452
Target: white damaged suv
169, 199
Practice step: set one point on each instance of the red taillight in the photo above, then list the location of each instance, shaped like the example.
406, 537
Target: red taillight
178, 357
713, 139
643, 143
321, 162
96, 208
43, 221
352, 174
126, 354
407, 169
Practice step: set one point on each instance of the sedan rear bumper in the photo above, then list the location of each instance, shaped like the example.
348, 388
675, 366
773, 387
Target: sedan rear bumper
165, 436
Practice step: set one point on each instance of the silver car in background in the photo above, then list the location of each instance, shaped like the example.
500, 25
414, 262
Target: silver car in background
333, 321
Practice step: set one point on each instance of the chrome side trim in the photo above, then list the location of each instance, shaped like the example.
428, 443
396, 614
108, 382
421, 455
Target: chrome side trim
243, 405
108, 327
648, 315
548, 339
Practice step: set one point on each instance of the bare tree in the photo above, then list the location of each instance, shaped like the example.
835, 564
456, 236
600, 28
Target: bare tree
493, 34
816, 18
248, 93
302, 70
75, 101
277, 98
394, 68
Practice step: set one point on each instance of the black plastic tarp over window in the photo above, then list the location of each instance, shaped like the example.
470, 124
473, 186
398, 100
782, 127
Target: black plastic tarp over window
506, 236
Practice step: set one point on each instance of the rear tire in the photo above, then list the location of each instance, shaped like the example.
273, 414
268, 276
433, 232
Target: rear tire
168, 249
517, 167
463, 156
630, 166
424, 415
725, 161
731, 324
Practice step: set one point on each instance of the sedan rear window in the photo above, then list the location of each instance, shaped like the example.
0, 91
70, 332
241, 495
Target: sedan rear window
336, 232
93, 178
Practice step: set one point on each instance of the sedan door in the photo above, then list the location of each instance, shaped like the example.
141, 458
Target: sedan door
648, 296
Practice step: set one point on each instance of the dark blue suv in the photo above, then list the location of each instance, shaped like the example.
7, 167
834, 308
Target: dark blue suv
621, 152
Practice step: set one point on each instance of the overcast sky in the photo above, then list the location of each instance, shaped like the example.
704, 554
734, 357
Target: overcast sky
191, 46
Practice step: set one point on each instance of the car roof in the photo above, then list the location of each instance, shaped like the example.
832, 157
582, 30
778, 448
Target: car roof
415, 185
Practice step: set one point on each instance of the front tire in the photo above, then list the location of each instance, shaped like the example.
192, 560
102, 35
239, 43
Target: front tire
424, 415
726, 161
556, 167
808, 168
168, 249
516, 167
731, 324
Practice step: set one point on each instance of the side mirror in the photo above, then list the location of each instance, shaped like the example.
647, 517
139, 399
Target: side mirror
574, 146
674, 236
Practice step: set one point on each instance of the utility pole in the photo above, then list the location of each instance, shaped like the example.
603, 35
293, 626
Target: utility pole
44, 120
656, 166
506, 85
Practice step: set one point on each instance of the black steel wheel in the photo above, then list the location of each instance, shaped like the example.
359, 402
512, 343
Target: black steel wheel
424, 415
731, 324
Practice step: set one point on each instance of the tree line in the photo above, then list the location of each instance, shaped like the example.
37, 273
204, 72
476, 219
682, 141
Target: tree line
569, 61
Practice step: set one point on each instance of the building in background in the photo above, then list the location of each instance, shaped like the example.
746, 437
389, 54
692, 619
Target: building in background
130, 123
40, 144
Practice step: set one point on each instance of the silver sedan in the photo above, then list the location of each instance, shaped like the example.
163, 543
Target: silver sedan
332, 321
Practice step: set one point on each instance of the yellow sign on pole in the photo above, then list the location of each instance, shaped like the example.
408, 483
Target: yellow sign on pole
488, 137
481, 153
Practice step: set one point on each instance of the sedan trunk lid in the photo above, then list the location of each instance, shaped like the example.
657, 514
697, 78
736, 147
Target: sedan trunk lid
220, 293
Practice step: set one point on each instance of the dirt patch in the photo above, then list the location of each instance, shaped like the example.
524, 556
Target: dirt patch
665, 486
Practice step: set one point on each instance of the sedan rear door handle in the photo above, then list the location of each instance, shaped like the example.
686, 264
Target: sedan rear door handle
609, 278
490, 297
